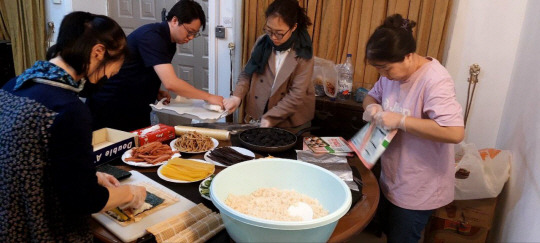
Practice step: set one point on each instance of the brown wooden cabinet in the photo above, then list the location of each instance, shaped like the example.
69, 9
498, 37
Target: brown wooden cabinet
337, 117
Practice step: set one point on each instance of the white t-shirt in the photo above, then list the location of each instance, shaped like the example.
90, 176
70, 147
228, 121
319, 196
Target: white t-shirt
418, 173
280, 57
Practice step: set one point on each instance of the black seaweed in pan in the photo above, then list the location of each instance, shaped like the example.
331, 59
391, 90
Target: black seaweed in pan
268, 137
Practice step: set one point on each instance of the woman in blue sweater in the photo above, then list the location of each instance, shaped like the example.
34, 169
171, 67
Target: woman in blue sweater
49, 186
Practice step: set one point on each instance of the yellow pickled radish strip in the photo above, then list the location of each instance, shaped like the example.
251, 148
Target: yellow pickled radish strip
191, 165
187, 170
184, 175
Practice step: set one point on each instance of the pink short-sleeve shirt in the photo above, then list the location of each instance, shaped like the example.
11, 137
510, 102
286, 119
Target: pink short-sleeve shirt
418, 173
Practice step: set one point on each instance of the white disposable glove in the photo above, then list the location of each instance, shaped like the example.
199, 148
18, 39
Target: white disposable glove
390, 120
370, 111
231, 104
107, 180
139, 195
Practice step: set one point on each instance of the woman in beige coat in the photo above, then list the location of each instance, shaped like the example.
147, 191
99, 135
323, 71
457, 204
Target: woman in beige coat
276, 82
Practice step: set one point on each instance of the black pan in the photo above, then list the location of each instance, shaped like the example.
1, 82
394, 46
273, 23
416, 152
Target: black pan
269, 139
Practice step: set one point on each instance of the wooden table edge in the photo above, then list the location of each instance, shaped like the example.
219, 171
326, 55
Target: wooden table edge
346, 228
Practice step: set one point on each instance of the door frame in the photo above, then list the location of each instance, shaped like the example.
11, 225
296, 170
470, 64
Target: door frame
218, 56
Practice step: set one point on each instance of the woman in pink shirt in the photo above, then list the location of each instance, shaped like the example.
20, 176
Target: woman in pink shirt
416, 95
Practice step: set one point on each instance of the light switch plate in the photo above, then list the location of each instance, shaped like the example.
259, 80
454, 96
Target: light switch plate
220, 31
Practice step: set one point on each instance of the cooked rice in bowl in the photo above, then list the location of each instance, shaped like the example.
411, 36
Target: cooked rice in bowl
275, 204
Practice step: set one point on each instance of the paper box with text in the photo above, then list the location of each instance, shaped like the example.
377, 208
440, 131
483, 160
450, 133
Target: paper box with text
110, 144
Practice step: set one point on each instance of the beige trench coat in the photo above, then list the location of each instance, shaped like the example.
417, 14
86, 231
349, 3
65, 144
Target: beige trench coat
291, 101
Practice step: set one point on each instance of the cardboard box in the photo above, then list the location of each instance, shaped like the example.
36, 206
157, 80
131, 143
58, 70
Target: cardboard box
448, 231
478, 212
110, 144
157, 133
466, 221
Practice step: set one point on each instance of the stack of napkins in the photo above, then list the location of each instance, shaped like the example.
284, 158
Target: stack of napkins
197, 224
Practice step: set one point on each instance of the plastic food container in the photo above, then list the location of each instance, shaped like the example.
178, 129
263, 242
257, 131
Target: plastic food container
305, 178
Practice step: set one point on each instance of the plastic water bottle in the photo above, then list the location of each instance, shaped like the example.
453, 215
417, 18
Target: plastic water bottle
154, 119
345, 81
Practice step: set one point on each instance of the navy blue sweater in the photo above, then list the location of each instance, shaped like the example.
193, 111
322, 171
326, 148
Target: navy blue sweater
46, 167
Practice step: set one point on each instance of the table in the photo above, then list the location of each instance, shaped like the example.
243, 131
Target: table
348, 226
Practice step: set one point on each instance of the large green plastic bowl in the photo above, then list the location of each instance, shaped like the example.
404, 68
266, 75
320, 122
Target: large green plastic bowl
314, 181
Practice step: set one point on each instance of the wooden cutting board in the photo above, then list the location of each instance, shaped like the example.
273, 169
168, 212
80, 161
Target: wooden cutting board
135, 230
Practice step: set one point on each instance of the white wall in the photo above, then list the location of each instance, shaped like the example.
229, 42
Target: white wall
503, 37
484, 32
518, 217
55, 12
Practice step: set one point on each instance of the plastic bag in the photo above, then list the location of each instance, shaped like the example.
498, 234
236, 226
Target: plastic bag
324, 77
480, 173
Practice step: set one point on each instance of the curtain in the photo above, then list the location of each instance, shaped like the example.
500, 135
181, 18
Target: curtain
25, 22
3, 27
344, 26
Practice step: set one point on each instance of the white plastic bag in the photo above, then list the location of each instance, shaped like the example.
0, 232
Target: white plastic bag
480, 173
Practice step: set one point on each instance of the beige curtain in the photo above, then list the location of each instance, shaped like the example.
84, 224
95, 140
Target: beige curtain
344, 26
25, 26
3, 27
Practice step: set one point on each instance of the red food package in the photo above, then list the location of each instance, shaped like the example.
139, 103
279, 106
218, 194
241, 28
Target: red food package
156, 133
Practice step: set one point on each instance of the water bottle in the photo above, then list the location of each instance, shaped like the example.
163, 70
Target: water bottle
345, 81
154, 119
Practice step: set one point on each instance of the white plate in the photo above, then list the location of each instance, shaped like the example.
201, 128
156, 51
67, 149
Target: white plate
238, 149
127, 154
201, 187
215, 141
180, 181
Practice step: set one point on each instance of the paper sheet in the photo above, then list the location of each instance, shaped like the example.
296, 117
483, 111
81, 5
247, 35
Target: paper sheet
190, 108
336, 164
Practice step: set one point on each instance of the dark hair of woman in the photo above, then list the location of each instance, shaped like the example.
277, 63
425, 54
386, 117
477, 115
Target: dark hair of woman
80, 32
290, 12
187, 11
392, 40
